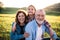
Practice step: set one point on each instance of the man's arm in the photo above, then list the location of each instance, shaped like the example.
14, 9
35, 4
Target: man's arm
29, 31
49, 31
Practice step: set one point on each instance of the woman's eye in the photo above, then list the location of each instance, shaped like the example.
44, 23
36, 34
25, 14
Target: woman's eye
18, 16
22, 16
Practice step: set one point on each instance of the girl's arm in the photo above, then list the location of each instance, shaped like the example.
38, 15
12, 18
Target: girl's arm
13, 26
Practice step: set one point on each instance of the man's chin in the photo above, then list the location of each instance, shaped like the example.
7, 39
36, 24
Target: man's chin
40, 22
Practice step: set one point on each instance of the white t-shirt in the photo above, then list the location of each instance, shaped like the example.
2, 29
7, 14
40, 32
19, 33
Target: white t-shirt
39, 33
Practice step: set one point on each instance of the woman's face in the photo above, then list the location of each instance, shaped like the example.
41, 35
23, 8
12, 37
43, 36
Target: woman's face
21, 17
31, 10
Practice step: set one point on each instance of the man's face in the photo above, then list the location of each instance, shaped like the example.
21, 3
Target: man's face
40, 16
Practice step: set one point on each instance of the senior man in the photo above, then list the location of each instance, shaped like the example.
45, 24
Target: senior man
37, 27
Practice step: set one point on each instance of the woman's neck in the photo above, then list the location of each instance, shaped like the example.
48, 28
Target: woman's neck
22, 24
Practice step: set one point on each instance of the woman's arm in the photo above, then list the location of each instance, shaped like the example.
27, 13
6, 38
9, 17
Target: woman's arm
15, 36
13, 26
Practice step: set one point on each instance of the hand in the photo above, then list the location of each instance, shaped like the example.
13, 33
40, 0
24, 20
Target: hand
14, 27
47, 24
50, 38
26, 35
49, 27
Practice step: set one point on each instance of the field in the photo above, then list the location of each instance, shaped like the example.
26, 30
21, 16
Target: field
7, 19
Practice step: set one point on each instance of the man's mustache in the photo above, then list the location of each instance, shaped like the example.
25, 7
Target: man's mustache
41, 20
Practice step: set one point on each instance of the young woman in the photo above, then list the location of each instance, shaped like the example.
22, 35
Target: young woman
18, 27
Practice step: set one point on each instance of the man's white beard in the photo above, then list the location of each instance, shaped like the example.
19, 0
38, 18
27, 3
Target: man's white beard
40, 22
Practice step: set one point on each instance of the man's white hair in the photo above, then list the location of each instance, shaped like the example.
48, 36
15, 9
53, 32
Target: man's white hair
41, 10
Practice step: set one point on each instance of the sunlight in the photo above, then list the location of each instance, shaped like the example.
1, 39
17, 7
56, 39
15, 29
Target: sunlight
25, 3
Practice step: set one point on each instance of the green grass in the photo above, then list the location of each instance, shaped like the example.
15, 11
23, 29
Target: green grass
5, 25
55, 24
10, 10
7, 19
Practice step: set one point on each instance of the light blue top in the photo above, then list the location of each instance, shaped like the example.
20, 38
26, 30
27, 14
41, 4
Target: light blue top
16, 35
31, 28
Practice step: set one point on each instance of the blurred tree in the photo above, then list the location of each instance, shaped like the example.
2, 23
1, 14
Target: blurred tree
1, 4
54, 7
1, 7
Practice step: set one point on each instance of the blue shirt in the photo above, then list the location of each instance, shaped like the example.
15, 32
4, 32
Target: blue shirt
31, 28
17, 34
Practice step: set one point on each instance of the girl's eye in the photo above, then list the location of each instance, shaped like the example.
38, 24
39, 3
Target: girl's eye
32, 9
28, 9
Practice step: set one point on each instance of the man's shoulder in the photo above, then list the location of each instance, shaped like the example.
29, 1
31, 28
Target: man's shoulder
31, 22
29, 26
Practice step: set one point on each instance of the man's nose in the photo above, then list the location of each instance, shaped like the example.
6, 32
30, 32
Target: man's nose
40, 17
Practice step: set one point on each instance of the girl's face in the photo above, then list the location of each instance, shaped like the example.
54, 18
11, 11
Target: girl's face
21, 17
31, 10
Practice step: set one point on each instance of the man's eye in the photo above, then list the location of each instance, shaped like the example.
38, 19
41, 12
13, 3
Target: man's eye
38, 15
42, 15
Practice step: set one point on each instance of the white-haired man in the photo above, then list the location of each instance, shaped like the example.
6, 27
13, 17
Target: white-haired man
37, 27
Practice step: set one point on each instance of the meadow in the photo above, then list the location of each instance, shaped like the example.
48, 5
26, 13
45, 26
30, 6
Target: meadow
7, 19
